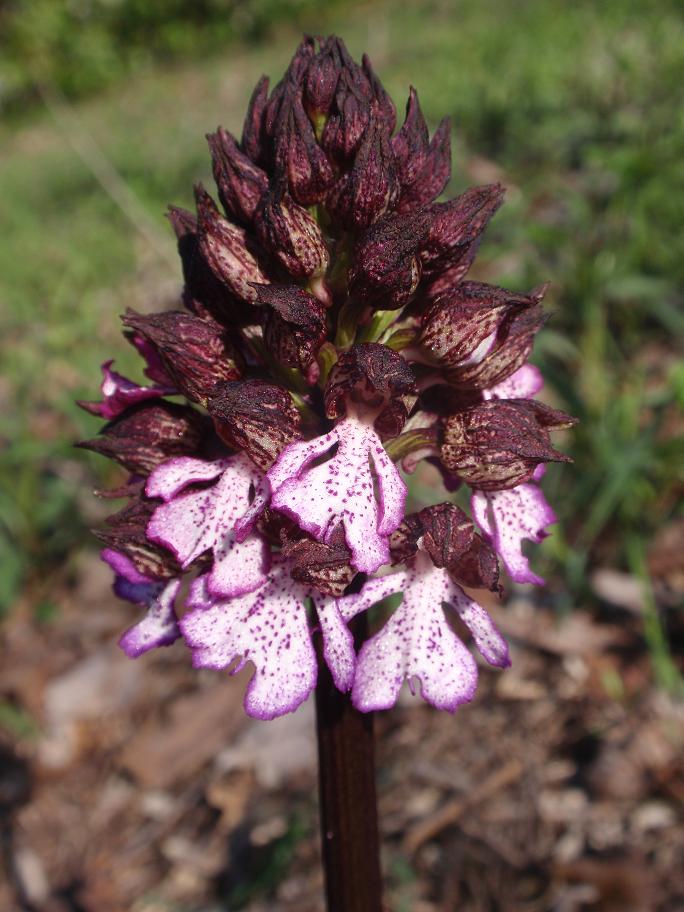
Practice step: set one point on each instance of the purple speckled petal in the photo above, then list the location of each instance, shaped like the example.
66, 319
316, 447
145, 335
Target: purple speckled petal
508, 517
159, 627
416, 642
342, 490
269, 628
491, 645
524, 383
391, 489
292, 461
172, 476
119, 393
372, 592
338, 642
125, 569
198, 521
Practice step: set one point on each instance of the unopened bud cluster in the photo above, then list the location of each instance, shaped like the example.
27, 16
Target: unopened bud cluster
327, 338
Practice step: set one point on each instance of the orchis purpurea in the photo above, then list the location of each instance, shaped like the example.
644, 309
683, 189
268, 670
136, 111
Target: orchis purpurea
328, 337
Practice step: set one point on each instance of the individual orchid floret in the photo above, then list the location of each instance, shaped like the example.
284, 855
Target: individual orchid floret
499, 444
195, 353
461, 326
228, 250
301, 160
340, 490
509, 350
321, 81
240, 182
253, 139
270, 628
256, 417
190, 523
418, 642
159, 626
376, 379
204, 293
451, 540
374, 387
295, 325
119, 393
325, 566
366, 191
457, 224
351, 109
424, 166
509, 517
148, 434
433, 176
292, 236
387, 269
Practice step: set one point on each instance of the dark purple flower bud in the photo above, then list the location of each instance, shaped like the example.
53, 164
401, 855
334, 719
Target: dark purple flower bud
376, 379
433, 176
125, 533
295, 327
149, 434
292, 236
227, 249
196, 353
365, 192
498, 444
510, 350
443, 282
301, 160
240, 182
257, 417
451, 540
324, 565
321, 80
457, 223
383, 104
290, 86
204, 294
386, 268
411, 143
253, 127
462, 325
354, 100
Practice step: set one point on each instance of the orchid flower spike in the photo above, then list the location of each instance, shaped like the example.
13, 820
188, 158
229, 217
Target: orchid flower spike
327, 338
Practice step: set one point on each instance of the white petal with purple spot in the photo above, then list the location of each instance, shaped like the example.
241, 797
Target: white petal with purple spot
524, 383
341, 489
509, 517
159, 627
417, 641
268, 628
201, 520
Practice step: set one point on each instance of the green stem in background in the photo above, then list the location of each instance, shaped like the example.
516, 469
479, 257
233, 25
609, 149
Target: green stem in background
348, 807
665, 670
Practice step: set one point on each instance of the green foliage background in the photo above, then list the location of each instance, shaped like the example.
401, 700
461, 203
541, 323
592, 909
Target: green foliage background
576, 107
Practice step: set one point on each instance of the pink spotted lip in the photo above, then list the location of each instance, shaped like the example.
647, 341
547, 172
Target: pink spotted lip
417, 641
339, 490
190, 523
270, 628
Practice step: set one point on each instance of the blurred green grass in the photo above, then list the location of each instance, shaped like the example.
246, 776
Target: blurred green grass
576, 107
